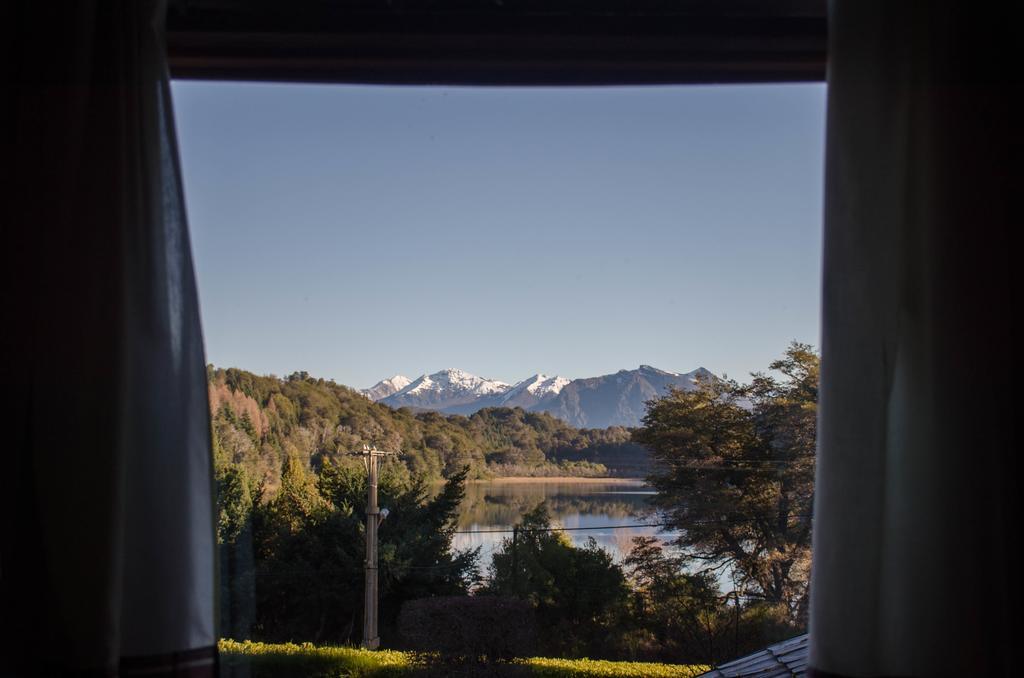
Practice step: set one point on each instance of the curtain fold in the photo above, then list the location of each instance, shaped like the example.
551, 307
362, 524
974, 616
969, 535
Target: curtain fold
106, 533
915, 549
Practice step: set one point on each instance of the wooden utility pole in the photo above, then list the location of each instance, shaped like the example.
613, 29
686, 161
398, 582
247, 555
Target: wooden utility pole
515, 560
371, 458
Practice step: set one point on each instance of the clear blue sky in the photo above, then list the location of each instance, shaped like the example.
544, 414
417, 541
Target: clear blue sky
357, 232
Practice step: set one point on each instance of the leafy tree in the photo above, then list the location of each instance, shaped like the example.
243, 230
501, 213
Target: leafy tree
735, 475
309, 545
680, 616
580, 594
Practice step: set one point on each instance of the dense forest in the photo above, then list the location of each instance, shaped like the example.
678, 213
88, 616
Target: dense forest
291, 569
260, 422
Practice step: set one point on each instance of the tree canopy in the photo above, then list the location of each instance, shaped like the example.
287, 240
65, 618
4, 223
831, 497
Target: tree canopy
734, 471
292, 565
579, 593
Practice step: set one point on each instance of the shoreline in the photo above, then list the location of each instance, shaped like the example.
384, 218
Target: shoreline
512, 480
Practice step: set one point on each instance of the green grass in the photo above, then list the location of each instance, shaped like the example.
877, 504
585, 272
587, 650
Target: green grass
289, 659
597, 668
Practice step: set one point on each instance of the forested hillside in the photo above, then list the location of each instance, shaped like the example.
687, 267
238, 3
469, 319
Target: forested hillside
261, 421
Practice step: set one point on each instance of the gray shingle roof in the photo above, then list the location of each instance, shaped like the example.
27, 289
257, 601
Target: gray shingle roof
788, 658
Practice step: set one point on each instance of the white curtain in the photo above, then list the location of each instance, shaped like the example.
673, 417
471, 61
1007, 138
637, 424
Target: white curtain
915, 546
106, 535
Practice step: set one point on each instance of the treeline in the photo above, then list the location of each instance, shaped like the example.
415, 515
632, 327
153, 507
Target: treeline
292, 570
653, 606
259, 422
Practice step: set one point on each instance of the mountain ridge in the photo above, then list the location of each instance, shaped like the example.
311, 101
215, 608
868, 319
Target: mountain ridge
386, 387
616, 399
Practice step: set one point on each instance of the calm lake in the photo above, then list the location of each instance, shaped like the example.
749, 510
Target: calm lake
598, 503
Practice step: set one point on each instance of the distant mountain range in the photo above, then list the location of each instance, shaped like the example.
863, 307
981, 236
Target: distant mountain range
597, 402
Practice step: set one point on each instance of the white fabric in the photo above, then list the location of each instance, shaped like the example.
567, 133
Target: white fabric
106, 513
912, 571
168, 596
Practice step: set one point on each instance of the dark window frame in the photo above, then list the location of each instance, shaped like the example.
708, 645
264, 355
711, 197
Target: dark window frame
499, 42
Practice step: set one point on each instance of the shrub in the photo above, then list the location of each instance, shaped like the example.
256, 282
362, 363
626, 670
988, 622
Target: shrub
469, 627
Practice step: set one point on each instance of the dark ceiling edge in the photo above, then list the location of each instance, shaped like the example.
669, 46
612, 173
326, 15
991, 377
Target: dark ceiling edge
502, 48
491, 73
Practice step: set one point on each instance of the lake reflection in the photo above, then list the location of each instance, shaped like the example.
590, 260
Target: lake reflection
596, 503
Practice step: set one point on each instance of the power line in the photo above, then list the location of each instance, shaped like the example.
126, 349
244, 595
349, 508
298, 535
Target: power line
723, 521
329, 569
559, 529
792, 460
752, 465
453, 565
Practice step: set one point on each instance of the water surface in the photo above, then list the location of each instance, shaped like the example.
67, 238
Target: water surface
599, 504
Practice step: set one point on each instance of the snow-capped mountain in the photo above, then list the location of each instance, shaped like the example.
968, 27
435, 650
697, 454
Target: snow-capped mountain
529, 392
385, 387
445, 390
618, 399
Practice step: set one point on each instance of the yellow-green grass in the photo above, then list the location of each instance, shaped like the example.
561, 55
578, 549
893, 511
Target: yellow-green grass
598, 668
289, 659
